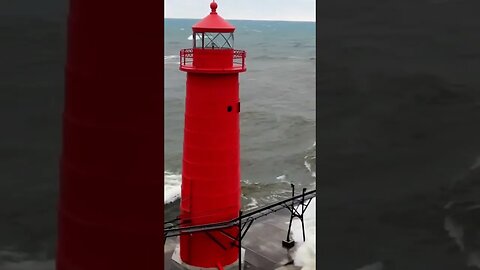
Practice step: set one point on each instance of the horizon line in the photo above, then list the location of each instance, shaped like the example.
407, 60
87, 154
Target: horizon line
270, 20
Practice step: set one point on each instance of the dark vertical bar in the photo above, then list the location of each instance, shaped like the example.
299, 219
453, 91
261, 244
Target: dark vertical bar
303, 229
291, 214
303, 211
240, 240
107, 57
243, 60
289, 227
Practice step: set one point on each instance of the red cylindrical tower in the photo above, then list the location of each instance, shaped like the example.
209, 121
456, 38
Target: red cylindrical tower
211, 154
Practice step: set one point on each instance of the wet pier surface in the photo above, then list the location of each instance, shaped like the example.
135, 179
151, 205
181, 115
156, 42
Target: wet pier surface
262, 244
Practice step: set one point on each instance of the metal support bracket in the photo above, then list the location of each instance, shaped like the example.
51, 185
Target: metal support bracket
294, 213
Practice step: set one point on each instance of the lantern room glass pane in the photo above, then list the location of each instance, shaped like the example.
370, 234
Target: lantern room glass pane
197, 40
210, 40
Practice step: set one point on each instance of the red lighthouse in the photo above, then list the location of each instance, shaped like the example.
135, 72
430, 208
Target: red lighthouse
211, 153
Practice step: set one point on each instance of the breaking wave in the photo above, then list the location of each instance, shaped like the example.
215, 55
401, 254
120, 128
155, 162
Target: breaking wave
265, 193
305, 254
171, 59
259, 193
172, 186
191, 37
310, 160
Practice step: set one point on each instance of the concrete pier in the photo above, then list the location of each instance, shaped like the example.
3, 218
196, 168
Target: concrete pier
262, 244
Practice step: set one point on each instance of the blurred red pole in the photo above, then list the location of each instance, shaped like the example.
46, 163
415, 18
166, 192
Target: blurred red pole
111, 176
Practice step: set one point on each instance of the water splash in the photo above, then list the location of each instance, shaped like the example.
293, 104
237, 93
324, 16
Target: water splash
252, 205
172, 186
310, 159
305, 254
191, 37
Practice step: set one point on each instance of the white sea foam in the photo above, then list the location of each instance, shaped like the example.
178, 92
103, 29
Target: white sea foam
172, 186
296, 57
191, 37
169, 57
282, 177
249, 182
251, 205
305, 254
308, 165
309, 158
309, 168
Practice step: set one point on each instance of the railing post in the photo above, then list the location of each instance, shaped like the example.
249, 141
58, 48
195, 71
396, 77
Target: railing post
290, 243
303, 211
240, 240
243, 60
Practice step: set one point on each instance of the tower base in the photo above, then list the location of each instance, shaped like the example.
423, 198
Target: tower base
180, 265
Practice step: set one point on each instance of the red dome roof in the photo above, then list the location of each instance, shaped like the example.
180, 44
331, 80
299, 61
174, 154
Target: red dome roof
213, 23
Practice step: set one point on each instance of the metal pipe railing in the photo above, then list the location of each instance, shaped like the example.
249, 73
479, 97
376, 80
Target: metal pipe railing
253, 214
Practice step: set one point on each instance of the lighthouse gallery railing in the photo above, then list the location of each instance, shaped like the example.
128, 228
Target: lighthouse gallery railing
186, 58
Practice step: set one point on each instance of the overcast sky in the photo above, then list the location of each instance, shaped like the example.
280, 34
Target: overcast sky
283, 10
